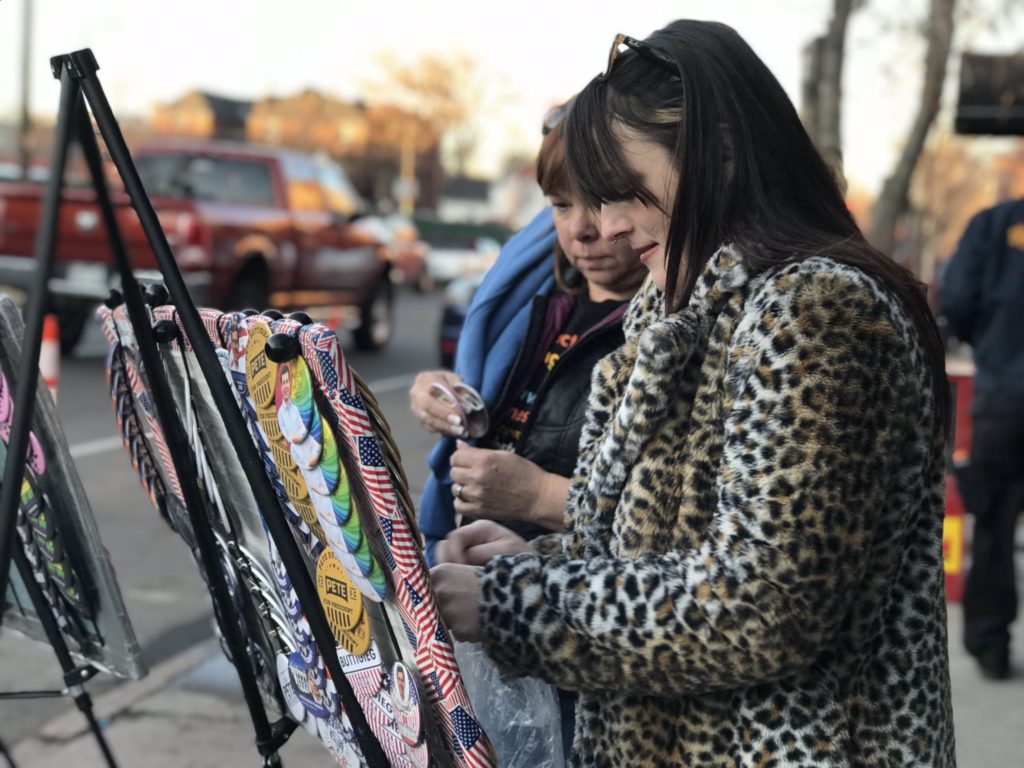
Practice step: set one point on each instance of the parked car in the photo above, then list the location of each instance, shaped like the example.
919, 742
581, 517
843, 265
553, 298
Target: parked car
249, 226
456, 257
457, 296
406, 252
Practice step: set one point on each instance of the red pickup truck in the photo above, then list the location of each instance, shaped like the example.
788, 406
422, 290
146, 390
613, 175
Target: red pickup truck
249, 226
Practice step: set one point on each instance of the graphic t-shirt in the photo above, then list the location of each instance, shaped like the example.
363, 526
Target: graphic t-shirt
584, 316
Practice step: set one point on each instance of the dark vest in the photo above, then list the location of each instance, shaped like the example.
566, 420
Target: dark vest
551, 436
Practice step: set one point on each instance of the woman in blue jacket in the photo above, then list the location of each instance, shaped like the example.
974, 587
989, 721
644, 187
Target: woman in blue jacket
547, 311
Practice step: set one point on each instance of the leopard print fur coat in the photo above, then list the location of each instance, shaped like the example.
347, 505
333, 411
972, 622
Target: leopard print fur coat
752, 572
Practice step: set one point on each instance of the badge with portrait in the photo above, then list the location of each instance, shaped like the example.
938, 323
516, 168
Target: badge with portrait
327, 452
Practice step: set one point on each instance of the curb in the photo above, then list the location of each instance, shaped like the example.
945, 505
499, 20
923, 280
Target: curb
109, 704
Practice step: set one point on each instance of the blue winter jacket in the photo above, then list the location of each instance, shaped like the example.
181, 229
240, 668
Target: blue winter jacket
495, 327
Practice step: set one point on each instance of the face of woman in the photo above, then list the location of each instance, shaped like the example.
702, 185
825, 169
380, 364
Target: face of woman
643, 226
612, 270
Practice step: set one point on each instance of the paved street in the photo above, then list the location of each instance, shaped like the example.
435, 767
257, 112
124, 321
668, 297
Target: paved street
194, 692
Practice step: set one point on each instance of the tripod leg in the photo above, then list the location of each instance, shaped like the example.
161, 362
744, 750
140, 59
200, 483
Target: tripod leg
72, 676
26, 385
177, 441
84, 703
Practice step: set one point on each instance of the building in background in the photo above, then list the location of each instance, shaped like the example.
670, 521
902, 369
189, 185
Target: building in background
201, 115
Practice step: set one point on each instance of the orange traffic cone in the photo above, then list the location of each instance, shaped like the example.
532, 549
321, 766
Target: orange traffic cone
334, 320
49, 354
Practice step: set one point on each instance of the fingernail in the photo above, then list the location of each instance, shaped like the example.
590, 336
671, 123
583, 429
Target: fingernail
455, 421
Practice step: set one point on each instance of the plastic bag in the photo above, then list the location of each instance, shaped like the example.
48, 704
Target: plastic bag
520, 715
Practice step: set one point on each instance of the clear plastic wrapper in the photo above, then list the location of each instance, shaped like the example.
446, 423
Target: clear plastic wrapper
521, 715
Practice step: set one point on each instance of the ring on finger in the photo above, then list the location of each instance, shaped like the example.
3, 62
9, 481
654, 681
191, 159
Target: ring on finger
457, 489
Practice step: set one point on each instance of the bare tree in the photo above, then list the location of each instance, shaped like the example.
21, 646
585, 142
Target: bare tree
822, 87
444, 90
892, 200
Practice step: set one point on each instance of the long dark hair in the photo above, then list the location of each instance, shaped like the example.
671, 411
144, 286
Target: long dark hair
748, 172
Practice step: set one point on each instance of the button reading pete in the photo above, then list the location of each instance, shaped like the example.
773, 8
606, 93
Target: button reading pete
342, 602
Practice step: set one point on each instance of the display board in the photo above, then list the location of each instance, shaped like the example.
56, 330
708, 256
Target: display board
327, 452
58, 534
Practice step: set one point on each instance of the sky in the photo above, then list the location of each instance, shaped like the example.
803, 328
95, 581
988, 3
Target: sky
531, 54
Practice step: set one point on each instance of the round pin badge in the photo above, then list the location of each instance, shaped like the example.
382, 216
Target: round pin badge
341, 498
315, 480
418, 754
342, 601
356, 641
406, 701
304, 637
290, 601
260, 371
352, 532
291, 698
364, 557
352, 568
306, 454
306, 512
323, 514
306, 688
302, 395
338, 736
392, 744
237, 344
330, 463
293, 481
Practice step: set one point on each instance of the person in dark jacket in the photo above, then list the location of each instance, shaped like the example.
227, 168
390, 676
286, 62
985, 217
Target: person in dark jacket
518, 474
982, 296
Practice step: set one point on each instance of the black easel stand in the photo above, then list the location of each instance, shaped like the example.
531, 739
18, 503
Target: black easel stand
13, 474
74, 676
77, 74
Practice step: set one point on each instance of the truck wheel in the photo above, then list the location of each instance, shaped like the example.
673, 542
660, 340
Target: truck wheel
72, 325
375, 319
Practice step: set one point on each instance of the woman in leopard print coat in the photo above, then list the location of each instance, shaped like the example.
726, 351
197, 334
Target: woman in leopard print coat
752, 569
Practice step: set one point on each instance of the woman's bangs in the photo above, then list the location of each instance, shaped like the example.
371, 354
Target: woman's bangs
598, 171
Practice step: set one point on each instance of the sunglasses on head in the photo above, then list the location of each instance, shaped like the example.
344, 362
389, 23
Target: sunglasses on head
644, 49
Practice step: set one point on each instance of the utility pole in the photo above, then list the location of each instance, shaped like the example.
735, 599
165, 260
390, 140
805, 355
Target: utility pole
26, 58
407, 169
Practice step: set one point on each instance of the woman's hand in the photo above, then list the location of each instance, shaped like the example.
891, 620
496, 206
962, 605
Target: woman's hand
432, 413
457, 591
499, 485
478, 542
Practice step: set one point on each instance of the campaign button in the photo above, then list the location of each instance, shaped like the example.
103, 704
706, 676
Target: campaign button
356, 641
406, 700
291, 698
260, 370
418, 754
342, 602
